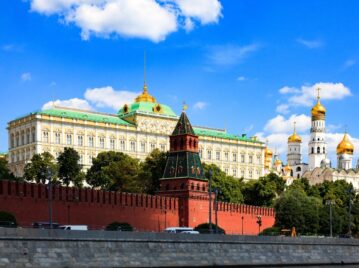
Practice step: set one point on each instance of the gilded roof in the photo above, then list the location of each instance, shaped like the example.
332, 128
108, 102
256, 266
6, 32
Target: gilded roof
345, 146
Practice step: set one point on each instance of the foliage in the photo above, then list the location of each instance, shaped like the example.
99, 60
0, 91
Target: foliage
7, 217
151, 170
5, 173
203, 228
271, 231
69, 167
229, 186
114, 171
262, 192
38, 169
119, 226
295, 209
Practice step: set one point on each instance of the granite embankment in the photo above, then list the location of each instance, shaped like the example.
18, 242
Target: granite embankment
58, 248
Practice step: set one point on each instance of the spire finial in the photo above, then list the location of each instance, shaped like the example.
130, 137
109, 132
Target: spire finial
184, 106
294, 125
318, 89
345, 128
144, 72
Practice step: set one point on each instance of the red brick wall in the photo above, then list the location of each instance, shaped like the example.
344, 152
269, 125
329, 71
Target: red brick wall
29, 203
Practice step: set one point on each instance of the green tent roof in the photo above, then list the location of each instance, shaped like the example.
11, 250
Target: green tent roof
84, 115
148, 108
222, 134
183, 126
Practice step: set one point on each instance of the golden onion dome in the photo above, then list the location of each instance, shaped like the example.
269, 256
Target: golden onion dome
277, 162
318, 110
145, 96
268, 152
294, 137
287, 168
345, 146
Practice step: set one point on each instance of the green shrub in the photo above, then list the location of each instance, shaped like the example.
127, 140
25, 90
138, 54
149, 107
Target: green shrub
203, 228
7, 219
119, 226
273, 231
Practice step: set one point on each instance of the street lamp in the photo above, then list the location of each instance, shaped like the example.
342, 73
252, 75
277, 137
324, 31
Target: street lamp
49, 188
217, 191
242, 225
210, 201
350, 192
259, 222
330, 203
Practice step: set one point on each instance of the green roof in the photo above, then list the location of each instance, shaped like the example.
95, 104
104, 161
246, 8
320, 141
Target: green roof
222, 135
148, 108
84, 115
183, 126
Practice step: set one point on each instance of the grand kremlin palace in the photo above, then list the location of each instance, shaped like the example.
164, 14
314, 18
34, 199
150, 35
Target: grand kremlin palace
136, 130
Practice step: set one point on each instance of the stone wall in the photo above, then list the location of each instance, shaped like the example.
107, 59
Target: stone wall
58, 248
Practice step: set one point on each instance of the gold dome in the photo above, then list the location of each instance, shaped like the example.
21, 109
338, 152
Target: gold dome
268, 152
294, 137
345, 146
318, 110
145, 96
287, 168
277, 162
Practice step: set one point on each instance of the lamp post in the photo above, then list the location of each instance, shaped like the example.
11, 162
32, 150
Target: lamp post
259, 222
242, 225
49, 188
350, 192
217, 191
330, 203
210, 201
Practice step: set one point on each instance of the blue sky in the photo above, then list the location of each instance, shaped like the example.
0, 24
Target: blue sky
247, 66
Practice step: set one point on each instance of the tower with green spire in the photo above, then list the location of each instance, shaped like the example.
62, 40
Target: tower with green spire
183, 176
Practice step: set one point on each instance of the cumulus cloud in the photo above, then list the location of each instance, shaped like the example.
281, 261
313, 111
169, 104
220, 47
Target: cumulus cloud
282, 109
200, 105
310, 43
109, 98
230, 54
75, 103
241, 78
148, 19
26, 77
280, 124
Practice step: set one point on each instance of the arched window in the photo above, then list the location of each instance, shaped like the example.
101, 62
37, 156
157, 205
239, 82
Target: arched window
291, 173
198, 187
312, 150
182, 185
190, 143
318, 150
192, 186
323, 150
203, 188
298, 169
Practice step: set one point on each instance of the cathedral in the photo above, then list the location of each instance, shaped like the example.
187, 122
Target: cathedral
319, 167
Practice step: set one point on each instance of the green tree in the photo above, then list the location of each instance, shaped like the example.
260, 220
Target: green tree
295, 209
38, 168
69, 167
229, 186
151, 171
5, 173
114, 171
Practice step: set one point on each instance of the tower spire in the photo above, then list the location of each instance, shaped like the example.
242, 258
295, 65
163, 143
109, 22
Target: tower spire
318, 96
294, 126
144, 73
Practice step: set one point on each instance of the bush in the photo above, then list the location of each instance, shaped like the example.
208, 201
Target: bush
119, 226
204, 229
7, 219
273, 231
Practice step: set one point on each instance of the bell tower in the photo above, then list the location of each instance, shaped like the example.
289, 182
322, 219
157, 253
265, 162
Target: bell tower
184, 176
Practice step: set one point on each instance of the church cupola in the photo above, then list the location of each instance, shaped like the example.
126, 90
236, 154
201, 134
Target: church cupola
345, 150
294, 156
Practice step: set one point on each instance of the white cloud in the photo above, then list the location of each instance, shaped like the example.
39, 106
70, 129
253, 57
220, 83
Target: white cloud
310, 43
200, 105
108, 97
241, 78
288, 90
349, 63
282, 109
71, 103
280, 124
26, 77
148, 19
230, 54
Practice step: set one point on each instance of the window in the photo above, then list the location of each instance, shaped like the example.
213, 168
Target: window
318, 150
226, 170
12, 158
112, 144
57, 138
250, 174
242, 173
33, 135
259, 158
90, 159
312, 150
209, 154
28, 136
12, 141
234, 157
226, 156
143, 147
251, 159
22, 138
102, 142
133, 146
45, 136
242, 158
218, 155
122, 145
323, 150
234, 172
163, 147
80, 140
17, 140
90, 143
152, 146
68, 139
81, 160
200, 151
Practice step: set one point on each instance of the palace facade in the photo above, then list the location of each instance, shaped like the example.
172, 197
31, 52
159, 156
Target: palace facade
136, 130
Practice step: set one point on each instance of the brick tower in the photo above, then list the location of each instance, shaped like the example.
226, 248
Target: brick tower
184, 176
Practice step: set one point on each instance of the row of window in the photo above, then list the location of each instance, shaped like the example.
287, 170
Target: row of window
101, 142
319, 151
233, 159
242, 173
22, 138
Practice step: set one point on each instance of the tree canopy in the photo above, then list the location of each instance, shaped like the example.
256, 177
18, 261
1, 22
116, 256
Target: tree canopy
69, 167
5, 173
39, 167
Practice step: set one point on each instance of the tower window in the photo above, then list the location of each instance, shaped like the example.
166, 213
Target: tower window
318, 150
312, 150
323, 150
